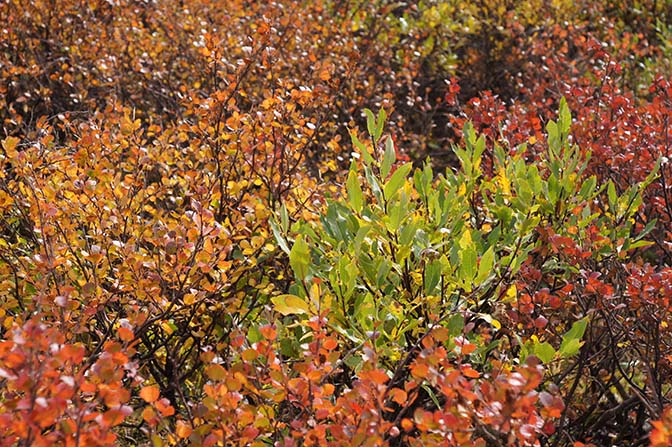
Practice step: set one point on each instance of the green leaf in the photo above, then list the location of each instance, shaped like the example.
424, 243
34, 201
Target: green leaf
389, 158
253, 334
372, 181
397, 180
652, 175
570, 348
371, 125
432, 395
544, 351
368, 159
468, 260
571, 341
354, 189
479, 148
588, 188
383, 272
299, 258
359, 238
432, 276
565, 117
647, 229
486, 265
637, 244
279, 238
380, 124
611, 195
456, 325
469, 134
284, 218
553, 138
290, 305
554, 189
467, 269
408, 232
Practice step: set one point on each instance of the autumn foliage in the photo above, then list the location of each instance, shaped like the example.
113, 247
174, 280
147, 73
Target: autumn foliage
335, 223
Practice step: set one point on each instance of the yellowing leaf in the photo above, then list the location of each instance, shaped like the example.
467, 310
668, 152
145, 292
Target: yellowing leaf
299, 257
466, 240
9, 144
290, 305
215, 372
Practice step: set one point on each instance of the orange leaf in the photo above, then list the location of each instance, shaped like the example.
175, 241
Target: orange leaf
659, 435
407, 424
113, 417
467, 371
440, 334
165, 408
125, 334
468, 348
376, 376
149, 415
87, 387
398, 395
150, 393
216, 372
419, 370
328, 389
268, 332
182, 429
249, 355
74, 353
330, 344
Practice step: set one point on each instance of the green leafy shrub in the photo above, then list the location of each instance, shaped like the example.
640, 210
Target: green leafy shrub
403, 253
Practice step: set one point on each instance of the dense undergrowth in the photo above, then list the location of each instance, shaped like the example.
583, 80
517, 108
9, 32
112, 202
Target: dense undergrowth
335, 223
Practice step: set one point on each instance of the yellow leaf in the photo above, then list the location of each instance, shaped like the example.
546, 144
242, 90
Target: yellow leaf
503, 181
462, 190
167, 327
290, 304
511, 295
315, 292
